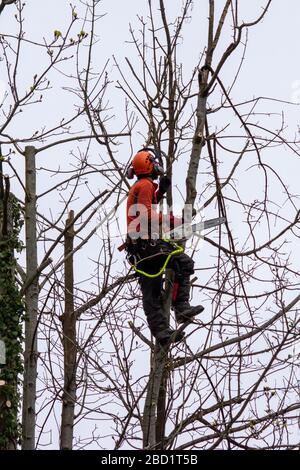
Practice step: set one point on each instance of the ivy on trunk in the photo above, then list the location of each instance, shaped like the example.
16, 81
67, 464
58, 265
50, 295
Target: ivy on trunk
11, 318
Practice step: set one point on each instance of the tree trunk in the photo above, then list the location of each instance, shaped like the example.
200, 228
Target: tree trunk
162, 395
10, 345
158, 359
69, 344
198, 141
201, 110
154, 415
31, 300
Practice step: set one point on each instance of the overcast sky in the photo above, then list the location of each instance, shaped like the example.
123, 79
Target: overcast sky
271, 69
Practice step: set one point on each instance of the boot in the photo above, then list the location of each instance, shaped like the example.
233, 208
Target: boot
185, 312
168, 335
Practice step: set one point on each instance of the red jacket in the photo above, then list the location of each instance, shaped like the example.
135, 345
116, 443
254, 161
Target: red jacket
142, 195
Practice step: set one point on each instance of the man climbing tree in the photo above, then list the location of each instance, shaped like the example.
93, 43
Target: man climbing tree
150, 254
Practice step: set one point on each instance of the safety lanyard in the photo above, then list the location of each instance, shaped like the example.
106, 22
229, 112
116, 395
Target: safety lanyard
178, 249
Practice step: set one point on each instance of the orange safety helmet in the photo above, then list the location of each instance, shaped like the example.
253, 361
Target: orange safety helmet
145, 163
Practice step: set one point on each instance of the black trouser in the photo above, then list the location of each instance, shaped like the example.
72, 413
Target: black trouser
150, 257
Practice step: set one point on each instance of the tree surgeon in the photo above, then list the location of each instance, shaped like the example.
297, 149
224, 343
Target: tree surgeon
150, 254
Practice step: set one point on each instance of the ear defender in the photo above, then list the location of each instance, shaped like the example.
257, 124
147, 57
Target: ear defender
158, 169
130, 172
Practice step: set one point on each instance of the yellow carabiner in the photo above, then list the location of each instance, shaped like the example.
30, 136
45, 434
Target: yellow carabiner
178, 250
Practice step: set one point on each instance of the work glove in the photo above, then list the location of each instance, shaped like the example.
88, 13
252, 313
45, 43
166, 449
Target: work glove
164, 184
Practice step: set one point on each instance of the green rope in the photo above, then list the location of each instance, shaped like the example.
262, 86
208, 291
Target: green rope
178, 250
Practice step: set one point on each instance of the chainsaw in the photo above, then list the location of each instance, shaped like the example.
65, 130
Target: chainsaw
185, 231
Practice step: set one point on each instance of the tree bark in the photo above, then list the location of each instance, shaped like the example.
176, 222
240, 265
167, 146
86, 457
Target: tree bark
158, 359
31, 301
69, 344
162, 394
154, 415
7, 361
198, 141
201, 110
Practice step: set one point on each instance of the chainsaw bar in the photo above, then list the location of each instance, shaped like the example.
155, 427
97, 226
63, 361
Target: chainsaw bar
187, 230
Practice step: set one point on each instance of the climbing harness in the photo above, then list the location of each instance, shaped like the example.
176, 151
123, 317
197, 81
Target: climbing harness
178, 249
193, 229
